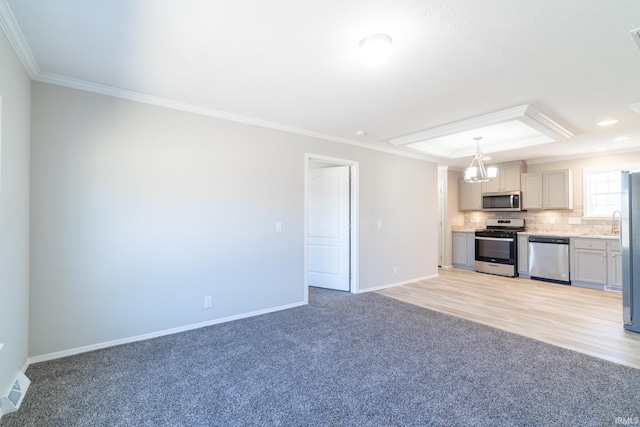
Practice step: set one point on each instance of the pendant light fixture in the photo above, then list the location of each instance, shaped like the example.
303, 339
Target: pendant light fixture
476, 172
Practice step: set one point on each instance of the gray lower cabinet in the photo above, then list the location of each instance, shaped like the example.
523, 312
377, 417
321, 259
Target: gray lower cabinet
596, 263
464, 249
523, 255
614, 266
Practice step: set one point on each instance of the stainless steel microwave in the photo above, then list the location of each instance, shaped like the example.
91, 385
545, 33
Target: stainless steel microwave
502, 202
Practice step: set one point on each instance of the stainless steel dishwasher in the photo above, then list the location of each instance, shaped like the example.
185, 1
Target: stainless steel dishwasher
549, 259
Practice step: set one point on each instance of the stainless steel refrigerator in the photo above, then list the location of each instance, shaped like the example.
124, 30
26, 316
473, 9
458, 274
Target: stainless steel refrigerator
630, 241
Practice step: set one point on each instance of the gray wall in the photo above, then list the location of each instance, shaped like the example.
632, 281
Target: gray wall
139, 211
15, 91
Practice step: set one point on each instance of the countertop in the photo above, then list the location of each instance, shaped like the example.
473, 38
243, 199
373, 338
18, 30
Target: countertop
571, 235
557, 234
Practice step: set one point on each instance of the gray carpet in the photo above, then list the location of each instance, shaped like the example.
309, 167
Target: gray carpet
343, 360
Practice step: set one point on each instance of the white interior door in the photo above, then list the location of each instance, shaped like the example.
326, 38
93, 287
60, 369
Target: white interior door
329, 231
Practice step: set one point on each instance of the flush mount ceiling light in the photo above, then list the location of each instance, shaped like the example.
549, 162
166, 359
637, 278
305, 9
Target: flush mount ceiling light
375, 50
607, 122
476, 172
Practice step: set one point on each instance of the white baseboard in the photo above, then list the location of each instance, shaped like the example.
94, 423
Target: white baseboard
78, 350
392, 285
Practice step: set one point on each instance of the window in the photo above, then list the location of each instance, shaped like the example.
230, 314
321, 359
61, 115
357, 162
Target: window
603, 189
602, 192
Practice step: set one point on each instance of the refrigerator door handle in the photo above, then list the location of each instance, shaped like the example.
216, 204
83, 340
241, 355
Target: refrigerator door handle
626, 228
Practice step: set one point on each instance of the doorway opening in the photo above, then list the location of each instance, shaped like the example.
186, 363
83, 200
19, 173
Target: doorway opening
331, 224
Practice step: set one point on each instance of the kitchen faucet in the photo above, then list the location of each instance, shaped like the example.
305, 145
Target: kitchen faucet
615, 230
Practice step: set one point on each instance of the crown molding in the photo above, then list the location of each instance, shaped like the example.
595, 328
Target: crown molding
11, 28
544, 124
101, 89
607, 153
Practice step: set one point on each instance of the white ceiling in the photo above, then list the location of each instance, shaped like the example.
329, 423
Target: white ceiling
292, 64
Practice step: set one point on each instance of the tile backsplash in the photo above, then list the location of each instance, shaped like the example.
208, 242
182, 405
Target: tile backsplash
560, 221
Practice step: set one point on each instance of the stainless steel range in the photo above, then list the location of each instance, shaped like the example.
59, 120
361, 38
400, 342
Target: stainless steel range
497, 246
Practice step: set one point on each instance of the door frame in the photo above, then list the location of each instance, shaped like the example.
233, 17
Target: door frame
440, 223
354, 265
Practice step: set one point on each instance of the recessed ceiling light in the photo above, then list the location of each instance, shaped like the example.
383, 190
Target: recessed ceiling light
600, 149
375, 50
361, 132
607, 122
620, 138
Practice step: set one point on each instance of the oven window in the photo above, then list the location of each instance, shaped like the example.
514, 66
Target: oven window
498, 250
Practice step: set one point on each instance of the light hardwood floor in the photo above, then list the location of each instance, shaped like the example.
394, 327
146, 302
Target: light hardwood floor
584, 320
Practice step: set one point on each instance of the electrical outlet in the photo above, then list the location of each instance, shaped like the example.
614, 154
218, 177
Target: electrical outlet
552, 220
395, 270
208, 301
574, 220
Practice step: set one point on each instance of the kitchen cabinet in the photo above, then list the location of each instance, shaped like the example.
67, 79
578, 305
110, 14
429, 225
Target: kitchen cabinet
470, 196
589, 263
614, 266
507, 179
523, 255
547, 190
532, 191
558, 189
464, 249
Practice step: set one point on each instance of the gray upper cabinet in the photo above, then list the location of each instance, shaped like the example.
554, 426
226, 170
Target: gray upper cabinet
558, 189
532, 191
508, 178
470, 196
547, 190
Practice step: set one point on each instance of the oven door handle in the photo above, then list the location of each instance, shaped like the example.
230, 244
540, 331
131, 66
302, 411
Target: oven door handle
497, 239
